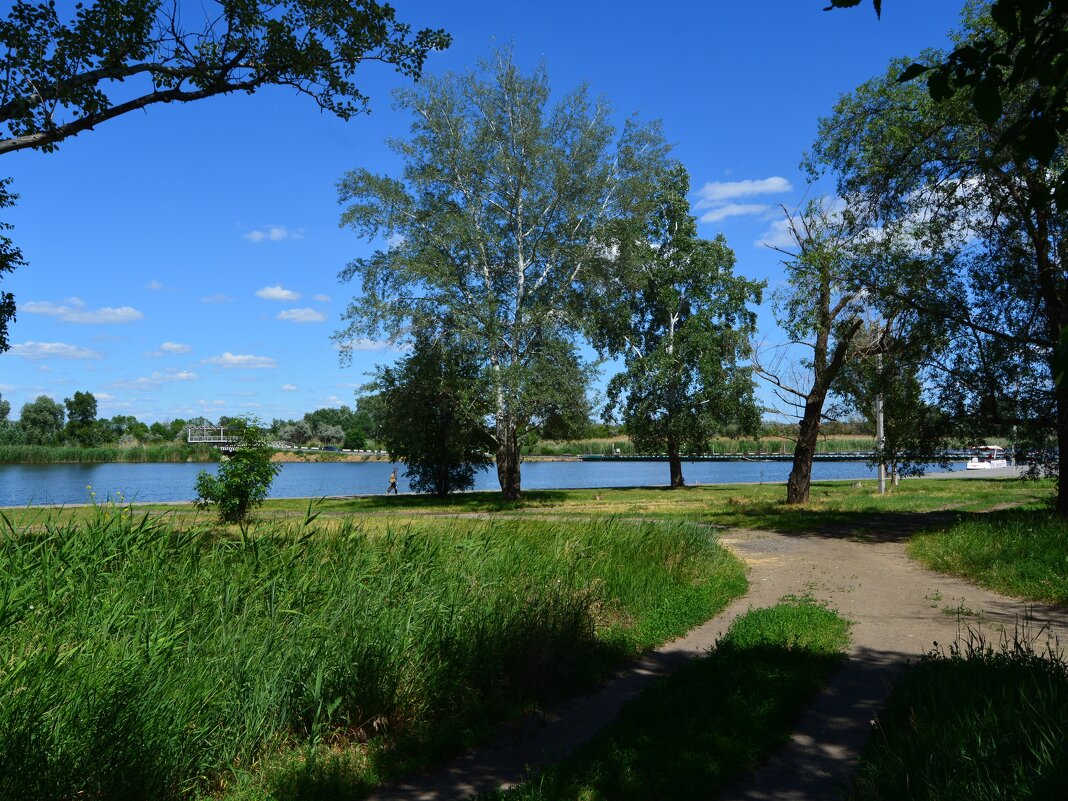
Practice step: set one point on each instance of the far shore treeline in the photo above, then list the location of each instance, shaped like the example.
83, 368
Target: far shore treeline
47, 431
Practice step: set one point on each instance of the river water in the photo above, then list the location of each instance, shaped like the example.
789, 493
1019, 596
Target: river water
69, 483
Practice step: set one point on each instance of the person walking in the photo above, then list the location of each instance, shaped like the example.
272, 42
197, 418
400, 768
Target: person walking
392, 482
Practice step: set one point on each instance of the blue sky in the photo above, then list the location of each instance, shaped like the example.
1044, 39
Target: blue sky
184, 261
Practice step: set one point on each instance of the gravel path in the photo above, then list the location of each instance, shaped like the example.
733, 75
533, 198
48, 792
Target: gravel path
899, 608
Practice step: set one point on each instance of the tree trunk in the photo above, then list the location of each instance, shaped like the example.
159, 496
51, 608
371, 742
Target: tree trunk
675, 462
508, 459
1061, 398
800, 481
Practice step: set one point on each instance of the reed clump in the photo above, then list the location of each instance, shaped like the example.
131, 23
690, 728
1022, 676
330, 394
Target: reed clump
139, 659
74, 454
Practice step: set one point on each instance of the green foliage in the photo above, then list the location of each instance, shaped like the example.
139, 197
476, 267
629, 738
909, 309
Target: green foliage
41, 421
244, 479
113, 57
5, 409
10, 258
933, 178
435, 408
1021, 553
916, 432
697, 731
494, 224
314, 48
81, 419
678, 317
144, 660
1021, 53
974, 722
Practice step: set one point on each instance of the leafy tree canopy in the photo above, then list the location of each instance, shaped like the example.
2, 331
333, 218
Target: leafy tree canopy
1025, 48
678, 317
117, 56
495, 224
990, 228
81, 418
42, 420
63, 77
435, 410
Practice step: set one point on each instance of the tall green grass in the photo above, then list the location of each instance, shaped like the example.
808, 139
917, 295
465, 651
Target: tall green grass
976, 722
142, 660
697, 731
55, 454
1019, 552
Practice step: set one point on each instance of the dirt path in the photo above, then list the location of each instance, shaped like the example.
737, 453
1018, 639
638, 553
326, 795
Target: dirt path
899, 609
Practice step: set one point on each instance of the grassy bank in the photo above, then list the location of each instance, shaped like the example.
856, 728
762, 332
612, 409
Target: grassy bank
697, 731
145, 658
976, 722
58, 454
833, 503
741, 446
1021, 552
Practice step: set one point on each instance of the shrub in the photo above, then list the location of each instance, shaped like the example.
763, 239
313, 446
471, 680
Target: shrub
243, 480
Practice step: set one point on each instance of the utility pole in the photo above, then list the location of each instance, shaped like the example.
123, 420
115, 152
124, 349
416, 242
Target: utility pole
879, 437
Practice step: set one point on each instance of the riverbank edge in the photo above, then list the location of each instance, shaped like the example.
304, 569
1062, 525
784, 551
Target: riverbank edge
999, 473
281, 457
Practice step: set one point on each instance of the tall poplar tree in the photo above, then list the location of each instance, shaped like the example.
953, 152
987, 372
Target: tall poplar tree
677, 316
496, 223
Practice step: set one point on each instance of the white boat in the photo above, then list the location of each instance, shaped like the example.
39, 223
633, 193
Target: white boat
987, 457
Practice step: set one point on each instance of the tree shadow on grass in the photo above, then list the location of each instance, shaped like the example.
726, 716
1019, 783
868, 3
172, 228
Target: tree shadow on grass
457, 503
483, 679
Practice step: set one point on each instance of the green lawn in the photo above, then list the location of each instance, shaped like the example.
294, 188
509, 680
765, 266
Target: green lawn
1021, 552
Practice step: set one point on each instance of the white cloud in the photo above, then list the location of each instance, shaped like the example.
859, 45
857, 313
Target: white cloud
168, 347
73, 311
322, 298
290, 387
155, 285
366, 344
277, 292
332, 400
155, 380
733, 210
715, 193
104, 396
228, 359
218, 297
301, 316
52, 350
211, 402
274, 233
9, 387
778, 236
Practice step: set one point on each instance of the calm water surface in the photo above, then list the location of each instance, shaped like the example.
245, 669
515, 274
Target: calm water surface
68, 483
